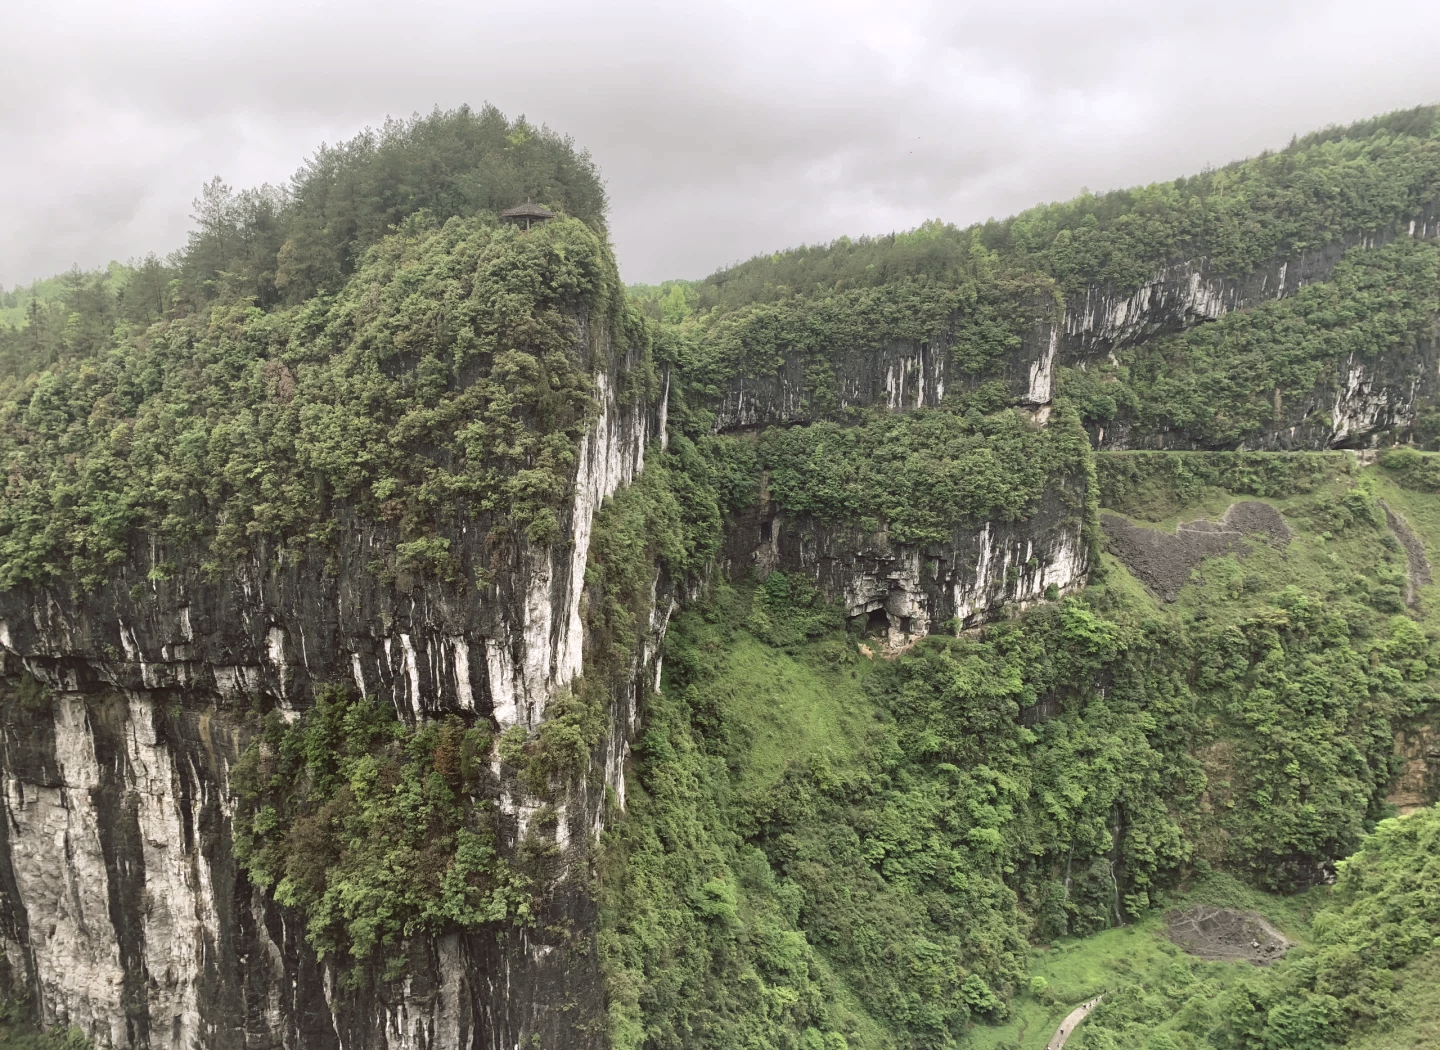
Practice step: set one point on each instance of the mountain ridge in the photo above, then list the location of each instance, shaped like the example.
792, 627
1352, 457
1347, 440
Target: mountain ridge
464, 474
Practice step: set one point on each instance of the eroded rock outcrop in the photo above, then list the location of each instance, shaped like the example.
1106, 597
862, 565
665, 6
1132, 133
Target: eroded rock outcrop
907, 591
122, 910
1367, 396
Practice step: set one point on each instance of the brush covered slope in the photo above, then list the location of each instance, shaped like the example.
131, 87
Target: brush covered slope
340, 552
824, 847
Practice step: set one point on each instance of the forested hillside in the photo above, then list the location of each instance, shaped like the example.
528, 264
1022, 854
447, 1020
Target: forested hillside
870, 645
1317, 218
823, 840
862, 851
282, 245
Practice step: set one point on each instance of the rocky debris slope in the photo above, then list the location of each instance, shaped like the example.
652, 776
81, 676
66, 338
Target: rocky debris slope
1417, 573
1164, 561
1226, 935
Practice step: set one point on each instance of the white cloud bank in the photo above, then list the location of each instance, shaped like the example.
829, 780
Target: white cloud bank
723, 130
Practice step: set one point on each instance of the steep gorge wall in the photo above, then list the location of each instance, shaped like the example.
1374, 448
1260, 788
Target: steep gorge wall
1371, 396
121, 908
907, 591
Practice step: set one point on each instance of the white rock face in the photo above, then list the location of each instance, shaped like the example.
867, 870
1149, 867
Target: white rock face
60, 872
551, 633
1364, 403
1042, 374
58, 834
1183, 292
901, 377
972, 578
66, 889
993, 585
912, 380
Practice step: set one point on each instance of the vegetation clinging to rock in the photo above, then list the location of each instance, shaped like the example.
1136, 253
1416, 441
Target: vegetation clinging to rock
450, 377
372, 830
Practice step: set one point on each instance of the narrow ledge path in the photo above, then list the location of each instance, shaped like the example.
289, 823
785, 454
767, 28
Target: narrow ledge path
1072, 1022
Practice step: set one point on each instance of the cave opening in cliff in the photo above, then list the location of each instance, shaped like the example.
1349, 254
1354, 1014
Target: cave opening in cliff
878, 622
767, 531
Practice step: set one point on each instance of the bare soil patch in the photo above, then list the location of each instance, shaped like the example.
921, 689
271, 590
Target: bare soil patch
1226, 935
1163, 561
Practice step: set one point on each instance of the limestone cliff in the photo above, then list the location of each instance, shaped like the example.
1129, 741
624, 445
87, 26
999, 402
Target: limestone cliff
1366, 397
122, 910
907, 591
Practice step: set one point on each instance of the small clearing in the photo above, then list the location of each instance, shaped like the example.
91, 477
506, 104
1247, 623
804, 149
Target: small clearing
1226, 935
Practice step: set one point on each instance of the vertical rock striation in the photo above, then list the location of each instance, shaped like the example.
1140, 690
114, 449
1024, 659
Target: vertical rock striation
1095, 323
908, 591
122, 910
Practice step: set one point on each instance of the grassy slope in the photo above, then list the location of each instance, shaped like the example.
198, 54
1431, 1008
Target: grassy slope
1078, 968
793, 706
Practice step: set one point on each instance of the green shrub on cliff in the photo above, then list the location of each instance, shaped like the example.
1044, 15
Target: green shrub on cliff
1383, 914
372, 830
25, 1038
277, 246
1363, 976
1154, 485
1413, 469
920, 475
287, 244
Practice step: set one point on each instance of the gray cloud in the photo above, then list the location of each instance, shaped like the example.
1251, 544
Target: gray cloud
723, 130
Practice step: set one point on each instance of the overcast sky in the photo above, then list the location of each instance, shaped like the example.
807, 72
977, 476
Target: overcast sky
722, 129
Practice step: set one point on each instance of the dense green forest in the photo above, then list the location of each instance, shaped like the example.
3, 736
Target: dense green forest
219, 427
281, 246
825, 845
840, 847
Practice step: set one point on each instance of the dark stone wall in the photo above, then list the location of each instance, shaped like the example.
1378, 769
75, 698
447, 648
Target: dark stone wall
122, 910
